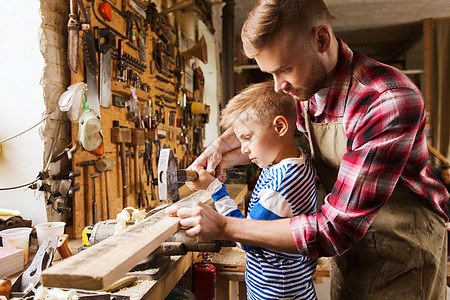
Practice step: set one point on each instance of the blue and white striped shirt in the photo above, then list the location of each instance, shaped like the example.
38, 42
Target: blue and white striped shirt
283, 190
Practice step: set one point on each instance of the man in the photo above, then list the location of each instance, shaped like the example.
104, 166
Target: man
382, 218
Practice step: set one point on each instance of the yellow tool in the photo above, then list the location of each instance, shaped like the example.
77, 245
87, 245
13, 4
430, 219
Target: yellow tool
86, 234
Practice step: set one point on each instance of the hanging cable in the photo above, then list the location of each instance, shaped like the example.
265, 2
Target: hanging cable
48, 161
14, 136
19, 186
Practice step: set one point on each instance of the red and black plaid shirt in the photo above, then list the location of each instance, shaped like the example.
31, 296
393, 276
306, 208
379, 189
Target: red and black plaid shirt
384, 119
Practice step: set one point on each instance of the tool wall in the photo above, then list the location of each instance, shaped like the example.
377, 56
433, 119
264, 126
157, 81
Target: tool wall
142, 95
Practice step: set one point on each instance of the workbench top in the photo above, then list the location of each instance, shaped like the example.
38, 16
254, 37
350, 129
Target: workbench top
145, 287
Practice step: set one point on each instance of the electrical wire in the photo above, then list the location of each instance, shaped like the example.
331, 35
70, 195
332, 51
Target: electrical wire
20, 133
19, 186
48, 162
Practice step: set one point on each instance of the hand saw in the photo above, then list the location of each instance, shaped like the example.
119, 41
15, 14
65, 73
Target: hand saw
104, 41
88, 42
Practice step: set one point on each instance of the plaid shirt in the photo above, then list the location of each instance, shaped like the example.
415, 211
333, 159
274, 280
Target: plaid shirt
384, 119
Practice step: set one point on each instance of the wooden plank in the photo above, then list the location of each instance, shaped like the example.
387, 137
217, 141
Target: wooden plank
159, 289
104, 263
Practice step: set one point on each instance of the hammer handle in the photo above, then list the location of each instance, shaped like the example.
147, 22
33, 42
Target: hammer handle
63, 246
125, 183
187, 175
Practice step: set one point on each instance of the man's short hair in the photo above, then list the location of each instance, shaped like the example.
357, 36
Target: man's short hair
272, 19
259, 103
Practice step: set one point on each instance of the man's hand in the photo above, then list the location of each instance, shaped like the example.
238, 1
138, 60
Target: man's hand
202, 219
203, 181
209, 159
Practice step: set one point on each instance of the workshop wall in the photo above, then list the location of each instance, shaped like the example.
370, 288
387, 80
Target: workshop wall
176, 93
182, 101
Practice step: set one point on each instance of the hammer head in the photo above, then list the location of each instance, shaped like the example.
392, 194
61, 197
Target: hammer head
167, 176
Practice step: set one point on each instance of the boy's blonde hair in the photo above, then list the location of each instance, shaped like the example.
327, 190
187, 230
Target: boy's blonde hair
289, 19
260, 103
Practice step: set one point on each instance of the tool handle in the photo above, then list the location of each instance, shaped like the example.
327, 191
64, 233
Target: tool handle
137, 173
63, 246
125, 182
187, 175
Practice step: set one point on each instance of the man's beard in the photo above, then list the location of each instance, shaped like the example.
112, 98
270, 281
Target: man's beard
315, 81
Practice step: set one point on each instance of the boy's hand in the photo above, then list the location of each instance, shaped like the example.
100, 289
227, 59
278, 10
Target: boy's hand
203, 181
201, 219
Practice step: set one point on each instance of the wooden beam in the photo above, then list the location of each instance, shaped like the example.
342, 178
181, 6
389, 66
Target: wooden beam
102, 264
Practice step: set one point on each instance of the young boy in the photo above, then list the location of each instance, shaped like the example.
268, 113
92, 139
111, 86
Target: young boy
264, 121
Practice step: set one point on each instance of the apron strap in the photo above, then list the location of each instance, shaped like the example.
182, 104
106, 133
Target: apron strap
308, 129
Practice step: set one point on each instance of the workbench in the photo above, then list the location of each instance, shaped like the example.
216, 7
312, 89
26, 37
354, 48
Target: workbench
179, 265
145, 288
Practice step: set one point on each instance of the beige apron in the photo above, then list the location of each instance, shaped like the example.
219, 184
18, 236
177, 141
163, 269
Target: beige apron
403, 254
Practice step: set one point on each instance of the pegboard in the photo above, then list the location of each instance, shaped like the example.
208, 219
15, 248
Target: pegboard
169, 113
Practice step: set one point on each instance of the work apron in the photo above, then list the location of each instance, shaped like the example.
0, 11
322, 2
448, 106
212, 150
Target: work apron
403, 254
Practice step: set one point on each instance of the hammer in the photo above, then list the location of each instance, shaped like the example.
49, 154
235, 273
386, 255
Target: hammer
169, 175
122, 136
103, 165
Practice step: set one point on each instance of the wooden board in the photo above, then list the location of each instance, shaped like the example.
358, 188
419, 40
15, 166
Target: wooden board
159, 289
104, 263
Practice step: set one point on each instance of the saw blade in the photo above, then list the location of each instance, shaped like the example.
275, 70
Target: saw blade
92, 92
105, 79
89, 53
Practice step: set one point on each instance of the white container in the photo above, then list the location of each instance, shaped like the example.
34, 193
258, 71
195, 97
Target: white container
17, 238
45, 230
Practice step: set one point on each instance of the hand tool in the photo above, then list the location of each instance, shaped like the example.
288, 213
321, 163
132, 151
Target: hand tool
89, 53
104, 165
66, 152
66, 175
143, 193
137, 139
122, 136
162, 79
105, 24
63, 246
94, 202
30, 278
61, 204
129, 157
165, 91
169, 175
73, 30
148, 161
87, 209
121, 67
105, 40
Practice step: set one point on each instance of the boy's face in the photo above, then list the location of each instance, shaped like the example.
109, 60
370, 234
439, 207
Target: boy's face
445, 174
259, 143
295, 70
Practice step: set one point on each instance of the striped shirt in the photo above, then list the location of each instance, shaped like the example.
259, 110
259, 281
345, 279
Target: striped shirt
283, 190
384, 120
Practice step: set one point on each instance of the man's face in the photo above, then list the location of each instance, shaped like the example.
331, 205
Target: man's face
296, 69
260, 144
445, 174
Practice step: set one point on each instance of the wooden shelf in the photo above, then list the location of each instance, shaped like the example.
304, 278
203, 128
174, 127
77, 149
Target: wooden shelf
124, 89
